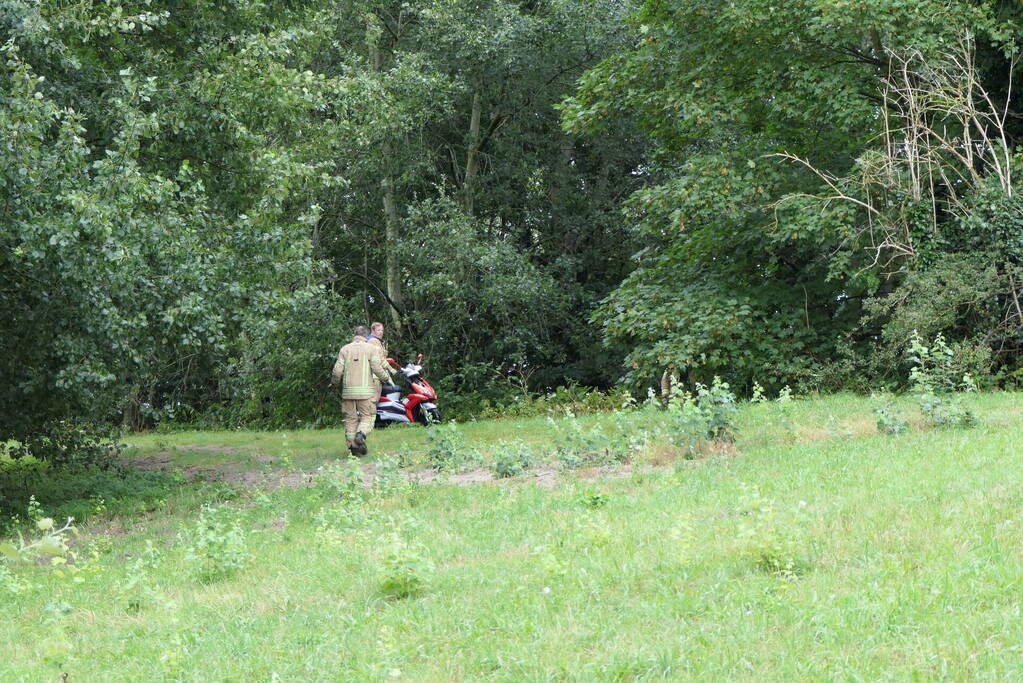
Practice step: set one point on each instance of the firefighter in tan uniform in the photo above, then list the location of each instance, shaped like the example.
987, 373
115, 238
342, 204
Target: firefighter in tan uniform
359, 363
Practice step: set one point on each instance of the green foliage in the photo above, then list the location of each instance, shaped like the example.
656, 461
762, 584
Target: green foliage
934, 368
405, 570
446, 449
572, 398
72, 493
46, 541
943, 411
771, 536
775, 212
576, 447
889, 420
215, 543
511, 458
593, 499
958, 297
707, 415
935, 378
136, 591
341, 480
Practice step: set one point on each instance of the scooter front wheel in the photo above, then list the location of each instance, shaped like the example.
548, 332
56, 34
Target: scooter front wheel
427, 416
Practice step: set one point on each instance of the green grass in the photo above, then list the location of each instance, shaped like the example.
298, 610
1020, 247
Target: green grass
904, 554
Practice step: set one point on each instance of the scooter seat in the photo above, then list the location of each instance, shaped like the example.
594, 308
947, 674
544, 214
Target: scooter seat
390, 389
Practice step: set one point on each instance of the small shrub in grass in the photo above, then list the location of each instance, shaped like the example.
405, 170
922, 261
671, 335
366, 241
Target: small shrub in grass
340, 479
576, 447
388, 479
945, 411
770, 536
45, 540
405, 570
511, 458
216, 545
935, 380
686, 426
627, 440
718, 402
889, 419
593, 499
446, 450
136, 591
709, 414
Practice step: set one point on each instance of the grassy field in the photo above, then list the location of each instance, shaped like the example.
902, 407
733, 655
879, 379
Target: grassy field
813, 548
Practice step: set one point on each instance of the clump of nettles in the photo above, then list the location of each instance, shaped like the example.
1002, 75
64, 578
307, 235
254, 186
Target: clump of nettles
709, 414
511, 458
404, 569
215, 543
447, 451
576, 447
937, 384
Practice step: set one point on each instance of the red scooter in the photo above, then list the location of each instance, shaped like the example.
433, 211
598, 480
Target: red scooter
418, 405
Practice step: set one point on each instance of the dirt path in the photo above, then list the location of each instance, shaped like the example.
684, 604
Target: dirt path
272, 478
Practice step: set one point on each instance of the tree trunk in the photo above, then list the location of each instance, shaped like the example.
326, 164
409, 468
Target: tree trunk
392, 230
471, 163
391, 253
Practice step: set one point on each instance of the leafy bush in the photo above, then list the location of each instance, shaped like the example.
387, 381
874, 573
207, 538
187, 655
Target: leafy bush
593, 499
944, 411
216, 543
446, 449
510, 459
341, 479
934, 367
718, 401
935, 377
707, 415
67, 444
711, 410
575, 447
889, 419
405, 570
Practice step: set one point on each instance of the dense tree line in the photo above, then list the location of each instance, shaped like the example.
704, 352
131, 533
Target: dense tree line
198, 200
825, 177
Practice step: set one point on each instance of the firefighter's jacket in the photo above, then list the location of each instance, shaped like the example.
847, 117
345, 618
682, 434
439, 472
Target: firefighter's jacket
358, 363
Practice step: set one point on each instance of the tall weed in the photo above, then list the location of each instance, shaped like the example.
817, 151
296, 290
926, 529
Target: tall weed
216, 543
